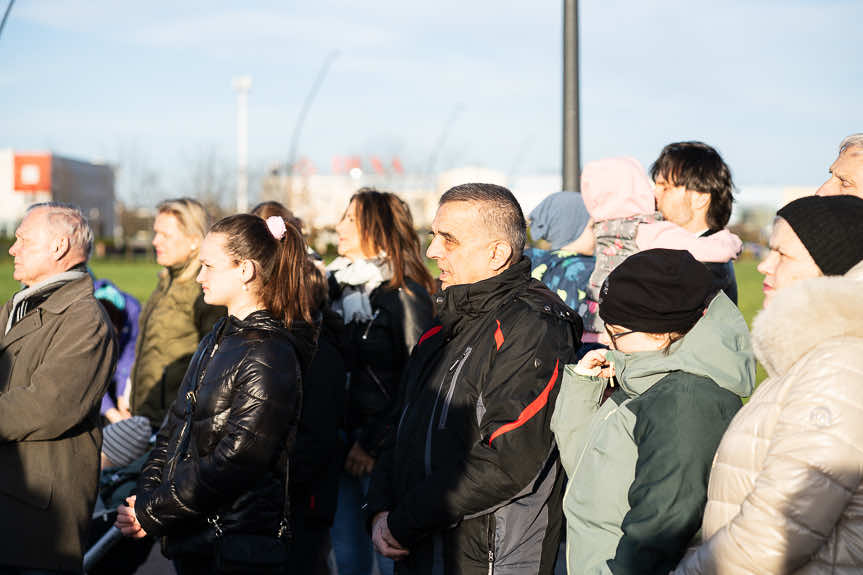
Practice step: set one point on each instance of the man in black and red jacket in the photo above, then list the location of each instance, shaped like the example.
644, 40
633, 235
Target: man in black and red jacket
473, 482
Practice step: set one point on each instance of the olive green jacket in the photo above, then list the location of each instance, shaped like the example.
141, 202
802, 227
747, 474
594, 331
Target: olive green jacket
638, 463
172, 323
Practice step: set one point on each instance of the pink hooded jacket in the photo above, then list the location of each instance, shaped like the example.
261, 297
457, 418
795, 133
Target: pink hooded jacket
615, 188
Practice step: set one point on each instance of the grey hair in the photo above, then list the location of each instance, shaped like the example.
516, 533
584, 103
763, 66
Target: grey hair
852, 141
503, 214
70, 221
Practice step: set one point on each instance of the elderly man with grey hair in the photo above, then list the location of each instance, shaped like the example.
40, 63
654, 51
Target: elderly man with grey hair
57, 354
846, 173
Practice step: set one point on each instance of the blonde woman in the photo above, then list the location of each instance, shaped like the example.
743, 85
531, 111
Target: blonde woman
175, 317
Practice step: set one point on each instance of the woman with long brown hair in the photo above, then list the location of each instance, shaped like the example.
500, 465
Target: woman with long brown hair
214, 485
380, 287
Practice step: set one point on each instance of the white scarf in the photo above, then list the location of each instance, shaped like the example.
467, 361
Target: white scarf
358, 279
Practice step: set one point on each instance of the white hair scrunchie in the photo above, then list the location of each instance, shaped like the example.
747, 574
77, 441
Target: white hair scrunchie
277, 227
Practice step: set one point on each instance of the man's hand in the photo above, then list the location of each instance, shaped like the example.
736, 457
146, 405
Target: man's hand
384, 541
127, 522
359, 462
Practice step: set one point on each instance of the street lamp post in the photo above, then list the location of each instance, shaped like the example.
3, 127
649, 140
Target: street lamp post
242, 85
571, 159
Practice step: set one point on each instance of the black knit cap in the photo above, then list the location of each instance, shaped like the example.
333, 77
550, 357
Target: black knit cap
831, 229
656, 291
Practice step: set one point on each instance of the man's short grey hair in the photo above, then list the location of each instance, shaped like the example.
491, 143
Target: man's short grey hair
501, 213
70, 221
852, 141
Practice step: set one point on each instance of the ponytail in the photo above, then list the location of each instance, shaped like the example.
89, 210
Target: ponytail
287, 294
279, 255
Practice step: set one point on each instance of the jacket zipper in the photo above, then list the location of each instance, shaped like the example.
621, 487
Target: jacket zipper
369, 326
428, 447
593, 432
191, 404
401, 420
429, 432
491, 543
378, 381
452, 386
408, 405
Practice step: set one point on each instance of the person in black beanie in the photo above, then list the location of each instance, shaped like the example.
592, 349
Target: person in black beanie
637, 425
813, 236
787, 479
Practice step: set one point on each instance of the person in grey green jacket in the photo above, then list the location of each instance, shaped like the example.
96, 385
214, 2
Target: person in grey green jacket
637, 425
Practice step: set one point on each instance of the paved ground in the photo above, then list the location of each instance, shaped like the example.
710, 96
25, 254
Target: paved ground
157, 564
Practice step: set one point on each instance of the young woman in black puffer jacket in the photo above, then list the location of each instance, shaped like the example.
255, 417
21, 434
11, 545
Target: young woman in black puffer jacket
380, 287
214, 485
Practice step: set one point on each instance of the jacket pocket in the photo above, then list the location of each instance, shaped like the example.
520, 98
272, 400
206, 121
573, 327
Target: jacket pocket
29, 487
452, 386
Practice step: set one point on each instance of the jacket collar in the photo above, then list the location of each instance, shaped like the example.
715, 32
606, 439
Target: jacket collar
68, 294
56, 303
473, 300
805, 314
184, 273
302, 334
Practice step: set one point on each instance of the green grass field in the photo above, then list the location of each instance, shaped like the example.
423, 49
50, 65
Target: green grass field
139, 278
136, 277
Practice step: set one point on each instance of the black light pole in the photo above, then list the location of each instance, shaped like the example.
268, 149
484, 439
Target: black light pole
301, 118
571, 158
6, 16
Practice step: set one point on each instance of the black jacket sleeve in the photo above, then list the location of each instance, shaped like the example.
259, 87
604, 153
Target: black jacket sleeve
323, 404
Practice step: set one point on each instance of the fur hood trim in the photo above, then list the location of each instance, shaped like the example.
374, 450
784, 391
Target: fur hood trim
806, 314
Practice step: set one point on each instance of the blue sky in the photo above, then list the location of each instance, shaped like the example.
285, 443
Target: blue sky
775, 85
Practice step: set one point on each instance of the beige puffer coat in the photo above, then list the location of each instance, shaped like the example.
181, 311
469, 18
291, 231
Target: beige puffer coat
785, 493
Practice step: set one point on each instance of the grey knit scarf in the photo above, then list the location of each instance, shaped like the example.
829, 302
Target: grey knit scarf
20, 300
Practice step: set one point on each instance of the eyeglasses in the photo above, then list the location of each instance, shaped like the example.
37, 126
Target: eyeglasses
615, 336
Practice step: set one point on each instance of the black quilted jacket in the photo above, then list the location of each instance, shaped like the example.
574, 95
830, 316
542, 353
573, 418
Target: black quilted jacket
220, 456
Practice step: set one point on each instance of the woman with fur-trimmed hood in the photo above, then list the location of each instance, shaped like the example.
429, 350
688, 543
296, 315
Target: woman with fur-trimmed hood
786, 485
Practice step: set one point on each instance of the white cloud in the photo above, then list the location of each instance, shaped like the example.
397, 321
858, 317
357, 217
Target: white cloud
256, 27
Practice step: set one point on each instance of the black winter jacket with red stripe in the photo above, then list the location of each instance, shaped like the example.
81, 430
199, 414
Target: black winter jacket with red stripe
474, 477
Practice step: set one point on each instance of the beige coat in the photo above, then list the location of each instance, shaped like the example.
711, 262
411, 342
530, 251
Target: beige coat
785, 493
55, 364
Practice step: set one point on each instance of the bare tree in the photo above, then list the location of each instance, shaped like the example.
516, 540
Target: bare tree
138, 184
209, 178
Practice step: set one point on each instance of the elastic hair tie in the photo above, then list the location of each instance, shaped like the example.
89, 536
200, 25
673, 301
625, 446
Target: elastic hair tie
277, 227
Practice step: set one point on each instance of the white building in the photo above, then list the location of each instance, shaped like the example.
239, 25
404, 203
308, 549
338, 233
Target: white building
320, 200
28, 178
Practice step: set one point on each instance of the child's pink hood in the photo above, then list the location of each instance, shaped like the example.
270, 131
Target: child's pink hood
616, 188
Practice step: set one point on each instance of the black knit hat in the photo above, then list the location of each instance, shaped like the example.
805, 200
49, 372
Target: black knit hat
656, 291
831, 229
